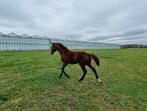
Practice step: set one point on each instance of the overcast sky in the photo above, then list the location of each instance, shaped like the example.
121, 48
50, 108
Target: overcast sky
113, 21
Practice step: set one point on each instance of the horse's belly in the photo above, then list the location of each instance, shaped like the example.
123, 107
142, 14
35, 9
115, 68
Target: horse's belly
73, 62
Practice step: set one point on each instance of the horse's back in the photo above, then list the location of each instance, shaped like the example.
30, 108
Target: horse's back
82, 57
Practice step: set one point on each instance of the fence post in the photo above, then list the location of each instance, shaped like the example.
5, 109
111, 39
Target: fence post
50, 43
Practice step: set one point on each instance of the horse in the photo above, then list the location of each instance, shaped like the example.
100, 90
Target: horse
75, 57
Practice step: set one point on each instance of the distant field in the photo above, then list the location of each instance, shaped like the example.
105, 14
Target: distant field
29, 81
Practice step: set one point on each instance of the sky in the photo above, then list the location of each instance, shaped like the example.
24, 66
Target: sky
109, 21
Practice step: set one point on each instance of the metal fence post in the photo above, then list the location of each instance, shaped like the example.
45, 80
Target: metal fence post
50, 43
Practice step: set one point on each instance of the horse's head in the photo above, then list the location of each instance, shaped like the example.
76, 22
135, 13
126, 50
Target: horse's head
57, 46
54, 48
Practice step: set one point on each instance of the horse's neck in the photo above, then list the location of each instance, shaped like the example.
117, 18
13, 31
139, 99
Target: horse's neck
63, 51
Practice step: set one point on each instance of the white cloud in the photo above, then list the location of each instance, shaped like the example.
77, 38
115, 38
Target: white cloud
115, 21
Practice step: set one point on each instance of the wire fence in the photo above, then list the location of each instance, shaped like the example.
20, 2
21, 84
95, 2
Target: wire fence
23, 43
9, 42
86, 44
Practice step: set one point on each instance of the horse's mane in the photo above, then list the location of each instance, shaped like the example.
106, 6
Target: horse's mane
61, 45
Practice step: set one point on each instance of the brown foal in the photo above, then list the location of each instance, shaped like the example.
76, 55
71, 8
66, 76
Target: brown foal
72, 57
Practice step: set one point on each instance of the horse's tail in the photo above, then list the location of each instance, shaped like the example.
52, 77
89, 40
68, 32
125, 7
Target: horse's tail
96, 59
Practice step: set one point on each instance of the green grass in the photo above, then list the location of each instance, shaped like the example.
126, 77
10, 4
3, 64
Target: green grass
29, 81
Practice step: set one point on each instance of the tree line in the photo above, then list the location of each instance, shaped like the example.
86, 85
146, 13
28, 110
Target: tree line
133, 46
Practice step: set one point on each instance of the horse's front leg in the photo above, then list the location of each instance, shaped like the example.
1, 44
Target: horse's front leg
62, 71
61, 74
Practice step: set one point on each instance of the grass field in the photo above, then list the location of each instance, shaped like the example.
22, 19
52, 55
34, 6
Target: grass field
29, 81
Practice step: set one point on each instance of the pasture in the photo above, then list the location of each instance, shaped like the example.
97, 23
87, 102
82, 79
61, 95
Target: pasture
29, 81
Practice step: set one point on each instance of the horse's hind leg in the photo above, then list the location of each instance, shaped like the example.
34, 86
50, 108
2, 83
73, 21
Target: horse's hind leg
84, 71
93, 69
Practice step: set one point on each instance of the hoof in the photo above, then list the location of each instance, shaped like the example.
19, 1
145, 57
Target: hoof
80, 80
99, 80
